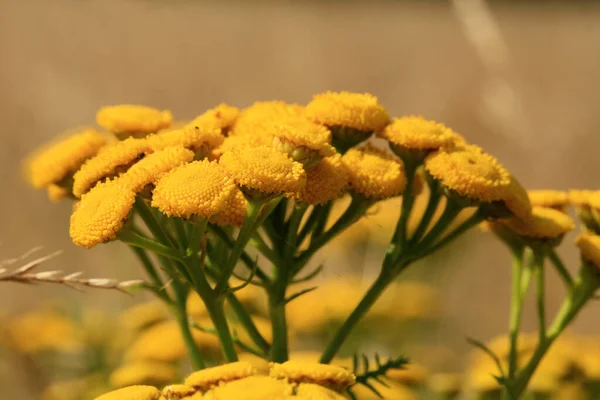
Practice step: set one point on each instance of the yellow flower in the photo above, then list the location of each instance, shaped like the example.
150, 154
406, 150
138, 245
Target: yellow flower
128, 119
176, 392
580, 198
201, 188
57, 193
252, 388
73, 389
516, 199
549, 198
324, 182
264, 169
143, 373
544, 223
163, 342
589, 245
153, 167
260, 365
195, 306
232, 143
234, 212
303, 140
42, 330
254, 119
221, 117
101, 213
330, 376
58, 160
390, 390
408, 300
417, 133
352, 110
109, 162
132, 393
201, 140
143, 315
410, 375
373, 173
310, 391
445, 383
210, 377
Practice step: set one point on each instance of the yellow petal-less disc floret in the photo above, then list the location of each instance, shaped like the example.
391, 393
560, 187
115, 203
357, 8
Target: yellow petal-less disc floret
549, 198
544, 223
516, 199
110, 161
207, 378
127, 119
57, 193
100, 214
252, 388
221, 117
324, 182
179, 392
201, 140
264, 169
580, 198
417, 133
143, 372
303, 140
255, 119
200, 188
132, 393
344, 109
144, 314
470, 172
234, 212
373, 173
56, 161
330, 376
589, 245
311, 391
153, 167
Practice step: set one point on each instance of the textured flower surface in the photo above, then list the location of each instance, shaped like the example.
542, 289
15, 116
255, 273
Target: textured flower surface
101, 213
544, 223
311, 391
221, 117
302, 133
144, 314
200, 188
324, 182
57, 193
344, 109
252, 388
326, 375
132, 393
153, 167
264, 169
201, 140
131, 119
417, 133
143, 372
208, 378
234, 212
373, 173
470, 172
176, 392
549, 198
110, 161
56, 161
255, 119
589, 245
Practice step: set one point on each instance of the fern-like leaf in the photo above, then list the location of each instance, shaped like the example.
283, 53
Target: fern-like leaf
364, 373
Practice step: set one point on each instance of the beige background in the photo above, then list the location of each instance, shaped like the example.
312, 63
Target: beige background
536, 108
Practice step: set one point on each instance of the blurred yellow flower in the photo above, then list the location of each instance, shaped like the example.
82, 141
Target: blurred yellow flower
126, 119
73, 389
210, 377
344, 109
391, 390
57, 193
201, 188
516, 199
544, 223
56, 161
445, 384
101, 213
303, 140
163, 342
143, 373
132, 393
142, 315
109, 162
252, 388
373, 173
264, 169
200, 140
234, 212
153, 167
417, 133
260, 365
589, 245
410, 375
325, 182
579, 198
254, 119
330, 376
311, 391
549, 198
221, 117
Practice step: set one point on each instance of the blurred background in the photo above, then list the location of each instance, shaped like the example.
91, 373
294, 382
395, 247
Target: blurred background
518, 78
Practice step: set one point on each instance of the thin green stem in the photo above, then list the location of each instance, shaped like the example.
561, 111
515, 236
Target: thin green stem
309, 224
152, 273
322, 219
450, 212
472, 221
292, 230
560, 267
246, 321
516, 308
540, 293
133, 239
181, 233
144, 211
258, 242
184, 326
432, 204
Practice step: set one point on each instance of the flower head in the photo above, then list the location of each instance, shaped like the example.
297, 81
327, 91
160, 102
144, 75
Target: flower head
234, 212
446, 383
58, 160
126, 119
544, 223
417, 133
254, 119
176, 392
143, 372
153, 167
201, 140
110, 161
143, 315
324, 182
373, 173
311, 391
303, 140
132, 393
221, 117
264, 169
580, 198
330, 376
57, 193
101, 213
358, 111
411, 374
252, 388
516, 199
589, 245
549, 198
200, 188
210, 377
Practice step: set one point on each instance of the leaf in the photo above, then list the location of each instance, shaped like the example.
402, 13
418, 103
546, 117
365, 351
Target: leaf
377, 374
300, 293
484, 348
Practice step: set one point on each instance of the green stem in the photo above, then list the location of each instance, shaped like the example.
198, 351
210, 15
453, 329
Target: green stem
560, 268
472, 221
152, 273
450, 212
264, 249
432, 204
399, 238
322, 219
182, 237
516, 308
246, 321
310, 223
133, 239
370, 297
184, 326
540, 293
279, 349
144, 211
